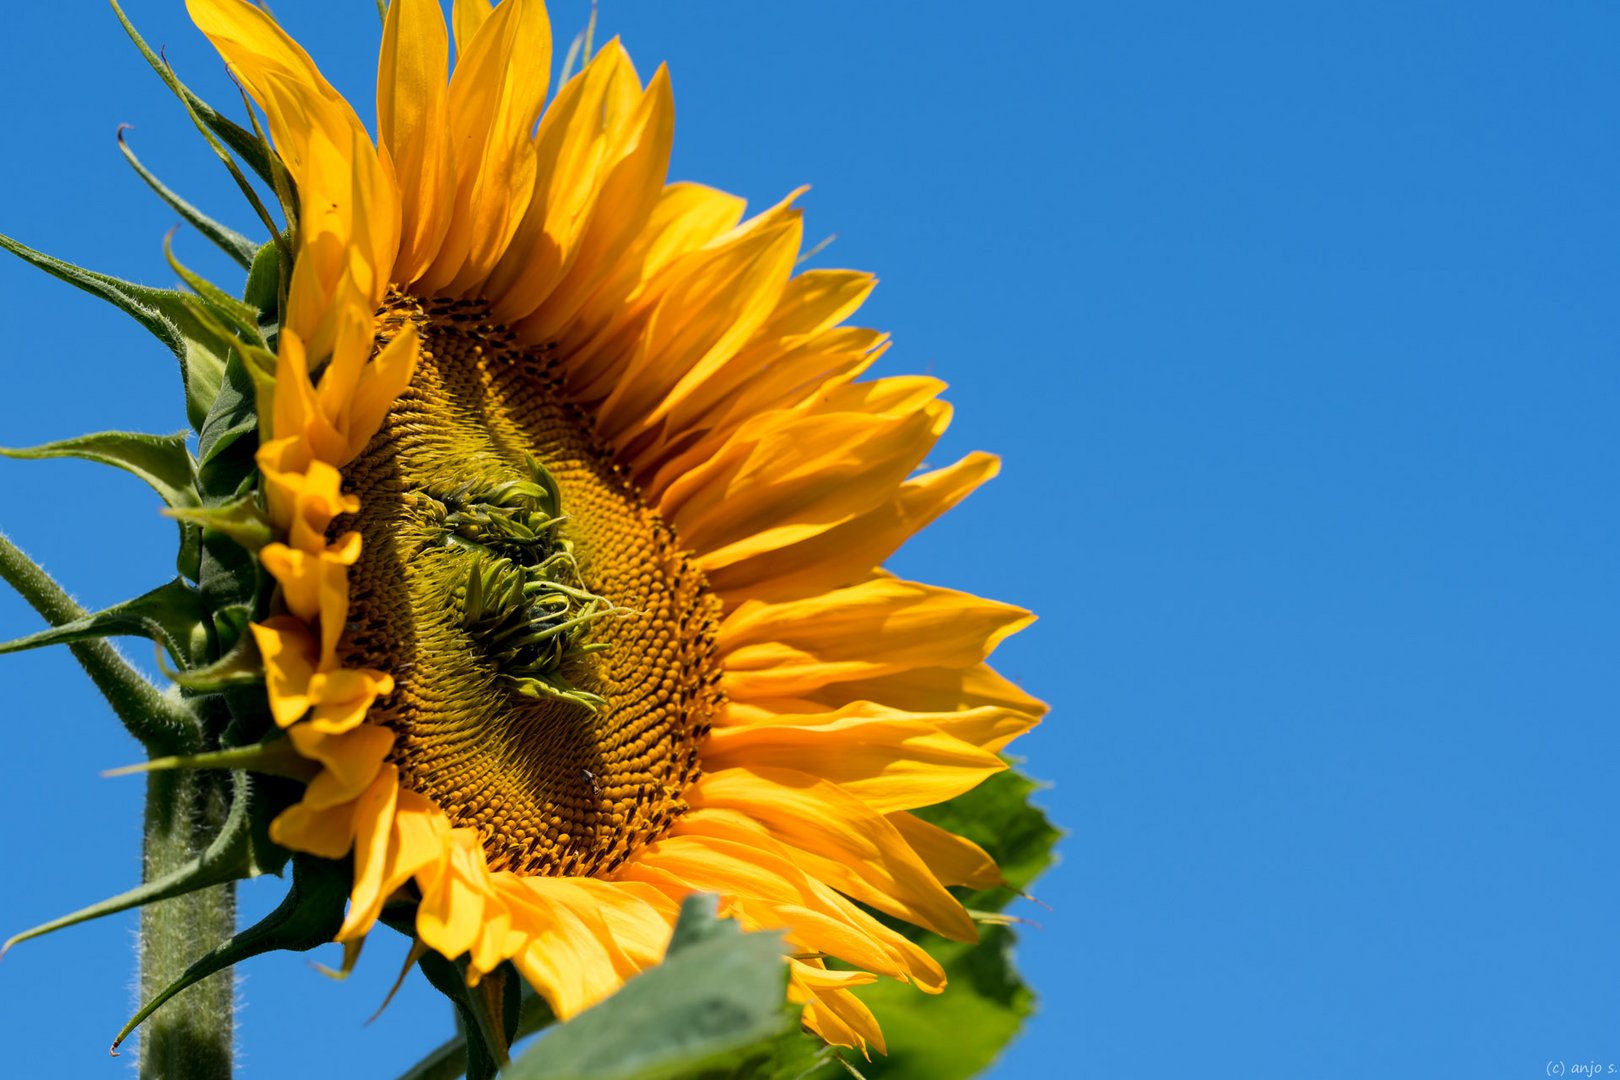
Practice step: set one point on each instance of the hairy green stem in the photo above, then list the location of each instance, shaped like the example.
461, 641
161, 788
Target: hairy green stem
189, 1038
160, 722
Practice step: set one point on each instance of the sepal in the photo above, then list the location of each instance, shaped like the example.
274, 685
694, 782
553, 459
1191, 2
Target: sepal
217, 305
223, 459
163, 312
238, 247
161, 460
484, 1010
241, 666
238, 138
274, 757
449, 1060
263, 288
228, 857
240, 520
309, 916
171, 615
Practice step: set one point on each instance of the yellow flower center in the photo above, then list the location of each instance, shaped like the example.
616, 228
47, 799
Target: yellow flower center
551, 644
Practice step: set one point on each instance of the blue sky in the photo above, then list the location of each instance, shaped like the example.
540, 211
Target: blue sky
1294, 324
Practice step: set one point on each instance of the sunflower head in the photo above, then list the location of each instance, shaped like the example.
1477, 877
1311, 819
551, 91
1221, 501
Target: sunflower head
534, 539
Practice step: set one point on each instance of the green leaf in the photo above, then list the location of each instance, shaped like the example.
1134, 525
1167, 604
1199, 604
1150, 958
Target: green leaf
959, 1033
238, 247
161, 460
163, 312
171, 615
998, 816
717, 1005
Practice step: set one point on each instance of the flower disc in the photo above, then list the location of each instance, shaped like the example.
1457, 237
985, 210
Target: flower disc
553, 785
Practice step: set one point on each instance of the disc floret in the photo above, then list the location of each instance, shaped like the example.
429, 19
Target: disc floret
524, 601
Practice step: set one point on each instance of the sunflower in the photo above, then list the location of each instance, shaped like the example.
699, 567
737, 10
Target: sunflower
577, 505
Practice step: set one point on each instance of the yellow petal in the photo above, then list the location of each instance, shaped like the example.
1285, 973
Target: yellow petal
786, 387
348, 237
894, 398
714, 302
954, 860
812, 977
353, 342
684, 219
306, 501
496, 94
315, 586
326, 831
585, 936
909, 961
468, 16
610, 252
380, 385
847, 553
930, 690
987, 728
350, 218
453, 904
283, 463
351, 760
417, 840
297, 412
253, 45
811, 303
374, 841
890, 761
799, 479
850, 846
342, 698
837, 1015
879, 626
289, 654
573, 149
324, 822
413, 127
728, 853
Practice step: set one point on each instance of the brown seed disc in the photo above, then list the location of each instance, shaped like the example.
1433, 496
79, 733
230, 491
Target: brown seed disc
552, 787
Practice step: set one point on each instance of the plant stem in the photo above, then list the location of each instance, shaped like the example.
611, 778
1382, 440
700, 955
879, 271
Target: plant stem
161, 724
189, 1038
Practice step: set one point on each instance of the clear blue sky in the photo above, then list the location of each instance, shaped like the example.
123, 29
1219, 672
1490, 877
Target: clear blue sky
1296, 327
